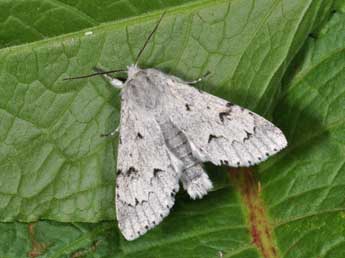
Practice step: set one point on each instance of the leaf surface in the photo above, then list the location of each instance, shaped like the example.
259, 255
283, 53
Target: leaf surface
55, 168
306, 199
33, 20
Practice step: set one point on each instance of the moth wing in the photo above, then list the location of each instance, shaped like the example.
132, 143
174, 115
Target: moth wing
219, 131
146, 177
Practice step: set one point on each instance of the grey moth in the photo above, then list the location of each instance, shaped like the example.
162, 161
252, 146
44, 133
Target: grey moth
168, 129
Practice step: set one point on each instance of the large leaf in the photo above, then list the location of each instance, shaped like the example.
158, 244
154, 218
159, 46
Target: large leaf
32, 20
55, 166
306, 199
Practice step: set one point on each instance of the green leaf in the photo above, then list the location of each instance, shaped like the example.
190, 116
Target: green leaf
55, 168
306, 198
32, 20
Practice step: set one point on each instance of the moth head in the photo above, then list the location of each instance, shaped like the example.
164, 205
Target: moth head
143, 91
132, 71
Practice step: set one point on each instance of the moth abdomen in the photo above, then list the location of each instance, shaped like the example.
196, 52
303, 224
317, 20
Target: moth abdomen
194, 179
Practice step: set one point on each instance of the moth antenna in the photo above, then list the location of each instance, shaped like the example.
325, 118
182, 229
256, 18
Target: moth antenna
121, 70
95, 74
149, 37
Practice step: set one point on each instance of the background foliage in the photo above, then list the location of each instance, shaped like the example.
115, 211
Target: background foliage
283, 59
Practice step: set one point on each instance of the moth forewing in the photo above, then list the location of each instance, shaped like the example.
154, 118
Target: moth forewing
168, 129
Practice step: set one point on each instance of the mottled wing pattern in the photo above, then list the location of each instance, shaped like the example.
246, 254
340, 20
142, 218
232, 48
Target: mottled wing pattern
146, 179
219, 131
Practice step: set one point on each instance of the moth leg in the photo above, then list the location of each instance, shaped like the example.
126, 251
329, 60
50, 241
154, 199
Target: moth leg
195, 181
116, 83
199, 79
111, 134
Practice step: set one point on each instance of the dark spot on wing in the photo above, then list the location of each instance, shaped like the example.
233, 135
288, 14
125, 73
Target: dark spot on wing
229, 104
248, 136
131, 171
136, 202
187, 107
223, 114
178, 133
119, 171
156, 171
208, 107
139, 136
211, 137
224, 162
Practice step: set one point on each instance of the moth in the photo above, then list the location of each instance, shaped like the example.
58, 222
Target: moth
168, 129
